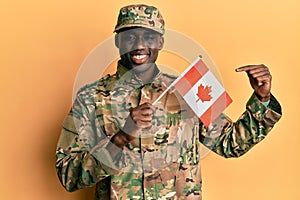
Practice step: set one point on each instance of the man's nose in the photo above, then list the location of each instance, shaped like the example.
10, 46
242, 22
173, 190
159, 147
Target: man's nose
140, 43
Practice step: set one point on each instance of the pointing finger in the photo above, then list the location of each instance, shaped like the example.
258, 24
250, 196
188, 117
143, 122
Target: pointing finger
250, 67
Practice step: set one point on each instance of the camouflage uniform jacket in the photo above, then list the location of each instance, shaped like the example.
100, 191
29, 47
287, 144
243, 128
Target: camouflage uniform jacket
163, 163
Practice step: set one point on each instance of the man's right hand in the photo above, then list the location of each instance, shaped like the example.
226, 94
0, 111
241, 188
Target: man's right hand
139, 118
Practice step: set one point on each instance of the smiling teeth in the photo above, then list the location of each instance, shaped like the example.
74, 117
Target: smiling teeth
139, 56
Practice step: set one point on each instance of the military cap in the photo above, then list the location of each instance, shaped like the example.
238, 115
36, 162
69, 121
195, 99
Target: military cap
140, 15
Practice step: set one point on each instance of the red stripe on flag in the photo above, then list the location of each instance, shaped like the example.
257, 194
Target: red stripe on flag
183, 86
191, 77
216, 109
201, 67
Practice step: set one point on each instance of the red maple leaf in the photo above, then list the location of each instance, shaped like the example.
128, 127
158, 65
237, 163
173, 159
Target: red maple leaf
204, 93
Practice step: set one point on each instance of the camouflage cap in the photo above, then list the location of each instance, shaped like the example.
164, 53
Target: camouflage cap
140, 15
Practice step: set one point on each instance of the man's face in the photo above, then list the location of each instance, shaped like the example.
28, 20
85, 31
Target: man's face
138, 48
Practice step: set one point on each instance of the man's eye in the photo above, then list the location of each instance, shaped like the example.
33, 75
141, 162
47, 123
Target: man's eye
129, 37
149, 38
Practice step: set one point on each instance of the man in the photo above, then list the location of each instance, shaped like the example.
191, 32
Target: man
115, 138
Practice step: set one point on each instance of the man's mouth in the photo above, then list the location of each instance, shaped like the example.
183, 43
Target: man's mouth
139, 58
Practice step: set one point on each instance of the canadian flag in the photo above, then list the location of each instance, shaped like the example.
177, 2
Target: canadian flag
202, 91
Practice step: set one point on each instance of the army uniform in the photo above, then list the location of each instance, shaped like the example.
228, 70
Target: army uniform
164, 161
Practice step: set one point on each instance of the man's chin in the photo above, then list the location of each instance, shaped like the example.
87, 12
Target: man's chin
141, 67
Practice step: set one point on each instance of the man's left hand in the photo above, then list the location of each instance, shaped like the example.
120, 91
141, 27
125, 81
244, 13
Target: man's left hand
260, 79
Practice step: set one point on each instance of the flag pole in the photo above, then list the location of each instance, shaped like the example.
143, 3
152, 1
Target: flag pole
162, 94
176, 80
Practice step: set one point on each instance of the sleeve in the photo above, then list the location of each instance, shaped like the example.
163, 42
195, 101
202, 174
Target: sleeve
233, 139
81, 157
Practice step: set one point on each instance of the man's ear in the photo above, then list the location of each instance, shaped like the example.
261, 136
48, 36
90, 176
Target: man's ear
117, 40
161, 42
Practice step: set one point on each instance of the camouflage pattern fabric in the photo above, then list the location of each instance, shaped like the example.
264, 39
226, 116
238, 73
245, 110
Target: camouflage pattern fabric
140, 15
164, 162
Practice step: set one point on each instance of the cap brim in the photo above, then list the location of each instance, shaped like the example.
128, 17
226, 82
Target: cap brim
119, 28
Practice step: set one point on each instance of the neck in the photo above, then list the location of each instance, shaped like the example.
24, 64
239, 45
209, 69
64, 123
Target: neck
147, 75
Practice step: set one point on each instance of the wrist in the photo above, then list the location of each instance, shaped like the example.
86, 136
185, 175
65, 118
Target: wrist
264, 98
116, 144
120, 139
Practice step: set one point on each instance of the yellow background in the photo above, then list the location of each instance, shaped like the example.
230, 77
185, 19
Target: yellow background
43, 44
